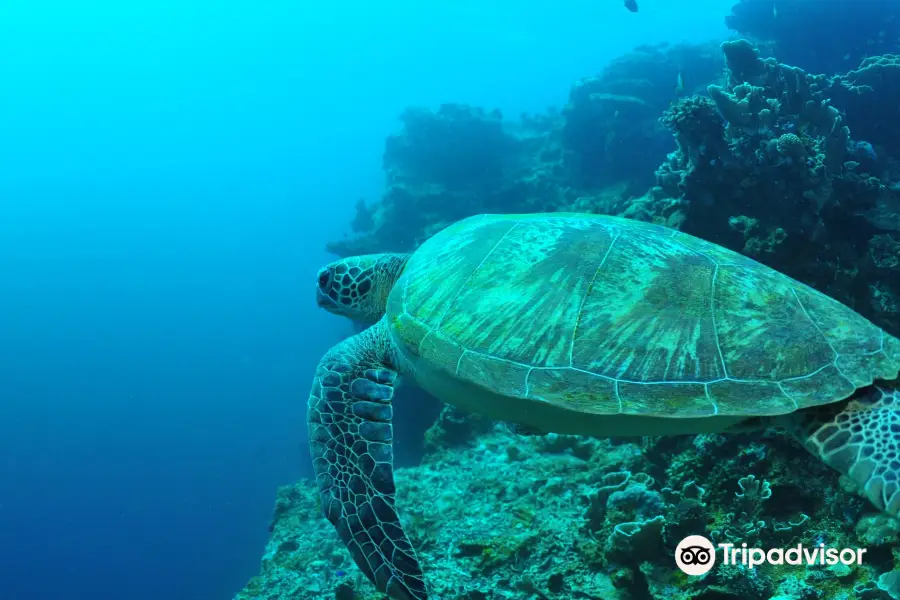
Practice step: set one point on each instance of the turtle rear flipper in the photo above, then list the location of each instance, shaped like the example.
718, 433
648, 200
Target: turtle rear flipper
350, 438
860, 438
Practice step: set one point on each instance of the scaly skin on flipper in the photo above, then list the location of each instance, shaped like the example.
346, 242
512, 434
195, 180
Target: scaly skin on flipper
860, 438
350, 437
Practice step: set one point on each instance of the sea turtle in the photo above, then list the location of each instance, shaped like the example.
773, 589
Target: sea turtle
587, 324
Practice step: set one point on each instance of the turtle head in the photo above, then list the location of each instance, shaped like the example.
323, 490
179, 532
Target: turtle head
358, 287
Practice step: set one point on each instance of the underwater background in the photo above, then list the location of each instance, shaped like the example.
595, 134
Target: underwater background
173, 174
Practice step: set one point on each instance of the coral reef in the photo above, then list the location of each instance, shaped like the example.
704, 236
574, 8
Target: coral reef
823, 37
498, 516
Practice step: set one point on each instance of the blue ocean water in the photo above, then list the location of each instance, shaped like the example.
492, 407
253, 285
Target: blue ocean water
169, 175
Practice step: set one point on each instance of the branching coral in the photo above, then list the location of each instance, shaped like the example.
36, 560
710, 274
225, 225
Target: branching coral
753, 493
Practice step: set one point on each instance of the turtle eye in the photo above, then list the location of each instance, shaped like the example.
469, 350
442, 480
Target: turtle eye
324, 279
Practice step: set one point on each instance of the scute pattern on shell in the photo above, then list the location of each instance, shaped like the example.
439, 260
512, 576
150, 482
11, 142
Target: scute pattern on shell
612, 316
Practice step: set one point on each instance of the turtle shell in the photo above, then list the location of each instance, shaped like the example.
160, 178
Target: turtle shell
604, 315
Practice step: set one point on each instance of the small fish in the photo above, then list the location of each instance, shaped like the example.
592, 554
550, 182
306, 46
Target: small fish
340, 573
631, 5
774, 11
679, 83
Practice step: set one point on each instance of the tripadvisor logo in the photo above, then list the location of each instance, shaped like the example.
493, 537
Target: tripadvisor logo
696, 555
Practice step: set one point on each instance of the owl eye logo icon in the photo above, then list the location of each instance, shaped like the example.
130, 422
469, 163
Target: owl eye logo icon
695, 555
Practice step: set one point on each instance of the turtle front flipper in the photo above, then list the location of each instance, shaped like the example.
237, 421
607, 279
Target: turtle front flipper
860, 438
350, 437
